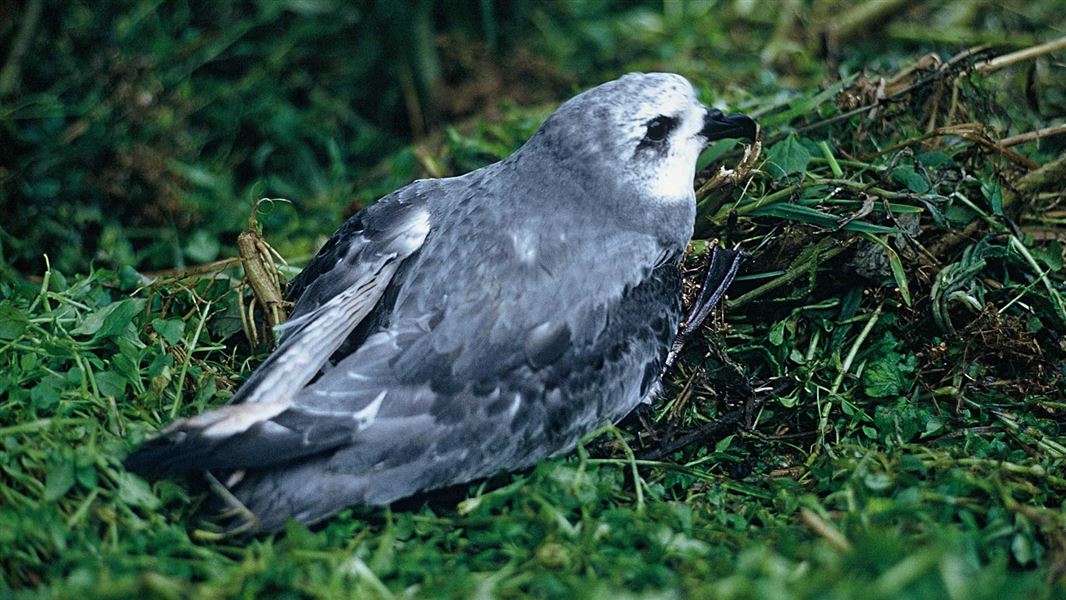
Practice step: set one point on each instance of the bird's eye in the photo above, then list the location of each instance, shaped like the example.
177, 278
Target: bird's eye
659, 128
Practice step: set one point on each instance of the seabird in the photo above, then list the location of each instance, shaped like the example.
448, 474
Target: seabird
465, 326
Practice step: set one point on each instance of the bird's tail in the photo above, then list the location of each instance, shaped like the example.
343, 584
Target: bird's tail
241, 436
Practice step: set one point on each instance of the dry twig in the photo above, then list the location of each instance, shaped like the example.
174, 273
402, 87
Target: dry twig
261, 274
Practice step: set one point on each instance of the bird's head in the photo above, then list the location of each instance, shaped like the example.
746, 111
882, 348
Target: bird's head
641, 133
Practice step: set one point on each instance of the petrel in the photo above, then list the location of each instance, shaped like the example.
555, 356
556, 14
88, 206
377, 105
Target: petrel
465, 326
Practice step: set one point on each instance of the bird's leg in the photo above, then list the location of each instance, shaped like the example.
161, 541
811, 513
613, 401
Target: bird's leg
646, 415
721, 270
727, 423
234, 507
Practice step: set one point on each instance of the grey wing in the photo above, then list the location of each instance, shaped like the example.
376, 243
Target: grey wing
337, 291
446, 418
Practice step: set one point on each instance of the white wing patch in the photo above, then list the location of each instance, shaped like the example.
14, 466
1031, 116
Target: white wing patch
230, 420
413, 234
365, 416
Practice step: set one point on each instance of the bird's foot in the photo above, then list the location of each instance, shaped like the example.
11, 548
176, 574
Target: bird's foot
721, 270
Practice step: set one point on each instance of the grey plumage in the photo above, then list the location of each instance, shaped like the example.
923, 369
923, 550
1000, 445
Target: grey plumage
463, 326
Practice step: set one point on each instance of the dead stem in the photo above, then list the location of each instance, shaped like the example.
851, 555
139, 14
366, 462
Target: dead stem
1032, 136
1025, 54
261, 272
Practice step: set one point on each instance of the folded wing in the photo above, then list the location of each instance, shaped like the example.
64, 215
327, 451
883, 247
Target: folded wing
337, 290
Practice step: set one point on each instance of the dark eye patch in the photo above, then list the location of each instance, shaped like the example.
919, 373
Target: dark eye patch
659, 128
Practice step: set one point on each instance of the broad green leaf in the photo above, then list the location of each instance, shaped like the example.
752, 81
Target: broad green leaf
888, 375
59, 478
170, 330
934, 159
933, 427
110, 320
159, 363
129, 278
777, 334
85, 469
906, 175
1051, 255
787, 157
13, 322
135, 491
45, 395
28, 362
110, 384
959, 215
723, 444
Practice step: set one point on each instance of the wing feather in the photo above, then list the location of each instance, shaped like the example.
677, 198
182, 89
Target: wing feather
344, 283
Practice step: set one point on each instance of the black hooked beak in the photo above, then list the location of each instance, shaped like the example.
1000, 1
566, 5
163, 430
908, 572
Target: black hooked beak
717, 126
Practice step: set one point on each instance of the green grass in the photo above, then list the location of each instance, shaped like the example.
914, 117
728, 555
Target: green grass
894, 345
